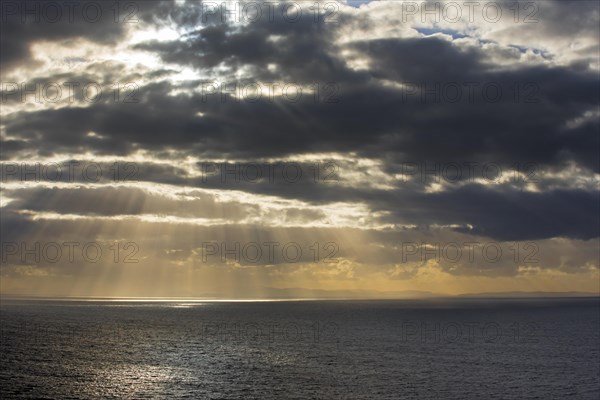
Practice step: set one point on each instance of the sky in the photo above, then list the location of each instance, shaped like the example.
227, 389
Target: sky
299, 149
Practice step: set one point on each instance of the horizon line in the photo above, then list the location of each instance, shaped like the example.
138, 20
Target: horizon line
163, 299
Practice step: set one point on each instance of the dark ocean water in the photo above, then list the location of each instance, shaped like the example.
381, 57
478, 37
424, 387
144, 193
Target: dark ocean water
421, 349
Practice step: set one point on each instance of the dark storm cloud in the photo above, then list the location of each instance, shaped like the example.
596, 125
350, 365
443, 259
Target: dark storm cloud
302, 48
501, 214
368, 118
371, 117
27, 22
15, 225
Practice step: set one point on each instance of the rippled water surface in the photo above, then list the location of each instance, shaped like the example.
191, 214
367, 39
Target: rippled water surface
421, 349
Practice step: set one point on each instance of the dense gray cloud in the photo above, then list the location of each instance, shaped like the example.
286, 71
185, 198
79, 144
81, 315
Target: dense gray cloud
27, 22
365, 118
392, 92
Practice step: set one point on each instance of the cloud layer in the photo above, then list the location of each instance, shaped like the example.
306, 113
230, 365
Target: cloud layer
367, 125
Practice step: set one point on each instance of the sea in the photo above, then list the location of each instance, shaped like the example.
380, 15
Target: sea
458, 348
